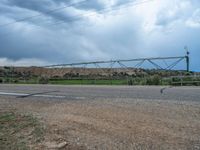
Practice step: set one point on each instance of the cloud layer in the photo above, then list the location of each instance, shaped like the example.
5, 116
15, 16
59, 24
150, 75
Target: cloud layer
98, 30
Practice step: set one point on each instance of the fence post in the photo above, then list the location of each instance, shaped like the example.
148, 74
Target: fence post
181, 81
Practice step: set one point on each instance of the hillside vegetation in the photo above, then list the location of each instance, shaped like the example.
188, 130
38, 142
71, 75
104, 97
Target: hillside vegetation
103, 76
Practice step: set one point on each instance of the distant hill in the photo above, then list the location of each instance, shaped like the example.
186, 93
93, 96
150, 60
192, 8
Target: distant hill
80, 72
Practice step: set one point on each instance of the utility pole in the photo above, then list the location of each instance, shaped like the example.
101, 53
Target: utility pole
187, 58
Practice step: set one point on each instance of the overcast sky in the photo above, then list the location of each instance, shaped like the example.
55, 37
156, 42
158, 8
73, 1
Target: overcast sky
97, 30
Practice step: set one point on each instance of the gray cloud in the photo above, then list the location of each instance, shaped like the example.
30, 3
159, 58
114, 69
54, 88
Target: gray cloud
35, 5
101, 36
179, 10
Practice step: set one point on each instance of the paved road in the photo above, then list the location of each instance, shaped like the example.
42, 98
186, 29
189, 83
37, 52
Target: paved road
108, 92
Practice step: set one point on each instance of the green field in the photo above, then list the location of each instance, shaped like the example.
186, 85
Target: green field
88, 82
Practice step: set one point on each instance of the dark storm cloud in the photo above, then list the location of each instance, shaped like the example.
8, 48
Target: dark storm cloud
91, 4
36, 5
43, 7
100, 36
18, 9
102, 4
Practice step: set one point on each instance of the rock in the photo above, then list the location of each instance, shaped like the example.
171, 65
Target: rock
61, 145
54, 145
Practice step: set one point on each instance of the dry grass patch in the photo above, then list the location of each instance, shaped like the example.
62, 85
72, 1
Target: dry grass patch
19, 131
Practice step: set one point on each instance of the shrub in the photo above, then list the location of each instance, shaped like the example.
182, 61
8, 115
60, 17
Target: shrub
43, 80
155, 80
16, 81
130, 82
7, 80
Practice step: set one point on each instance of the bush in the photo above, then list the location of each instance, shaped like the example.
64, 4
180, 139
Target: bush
155, 80
43, 80
16, 81
7, 80
130, 82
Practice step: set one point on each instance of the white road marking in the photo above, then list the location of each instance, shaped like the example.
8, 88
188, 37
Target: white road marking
37, 95
25, 94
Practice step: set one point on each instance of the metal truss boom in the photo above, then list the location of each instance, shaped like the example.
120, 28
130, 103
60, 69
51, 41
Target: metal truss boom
120, 61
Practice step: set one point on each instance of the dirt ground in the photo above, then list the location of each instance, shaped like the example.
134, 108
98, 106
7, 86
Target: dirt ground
113, 124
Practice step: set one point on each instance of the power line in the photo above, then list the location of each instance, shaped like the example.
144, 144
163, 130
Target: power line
78, 17
42, 14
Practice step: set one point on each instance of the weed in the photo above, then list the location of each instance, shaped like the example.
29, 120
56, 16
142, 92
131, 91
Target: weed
14, 129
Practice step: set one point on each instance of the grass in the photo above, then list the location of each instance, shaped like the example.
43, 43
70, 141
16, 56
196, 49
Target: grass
69, 81
151, 80
88, 82
17, 131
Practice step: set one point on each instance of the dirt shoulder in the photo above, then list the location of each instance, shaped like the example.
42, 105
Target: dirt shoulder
112, 123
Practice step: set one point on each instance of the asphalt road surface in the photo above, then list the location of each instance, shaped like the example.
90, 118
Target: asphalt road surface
103, 92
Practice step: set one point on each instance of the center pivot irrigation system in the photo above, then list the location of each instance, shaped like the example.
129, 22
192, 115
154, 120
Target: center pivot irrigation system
170, 63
